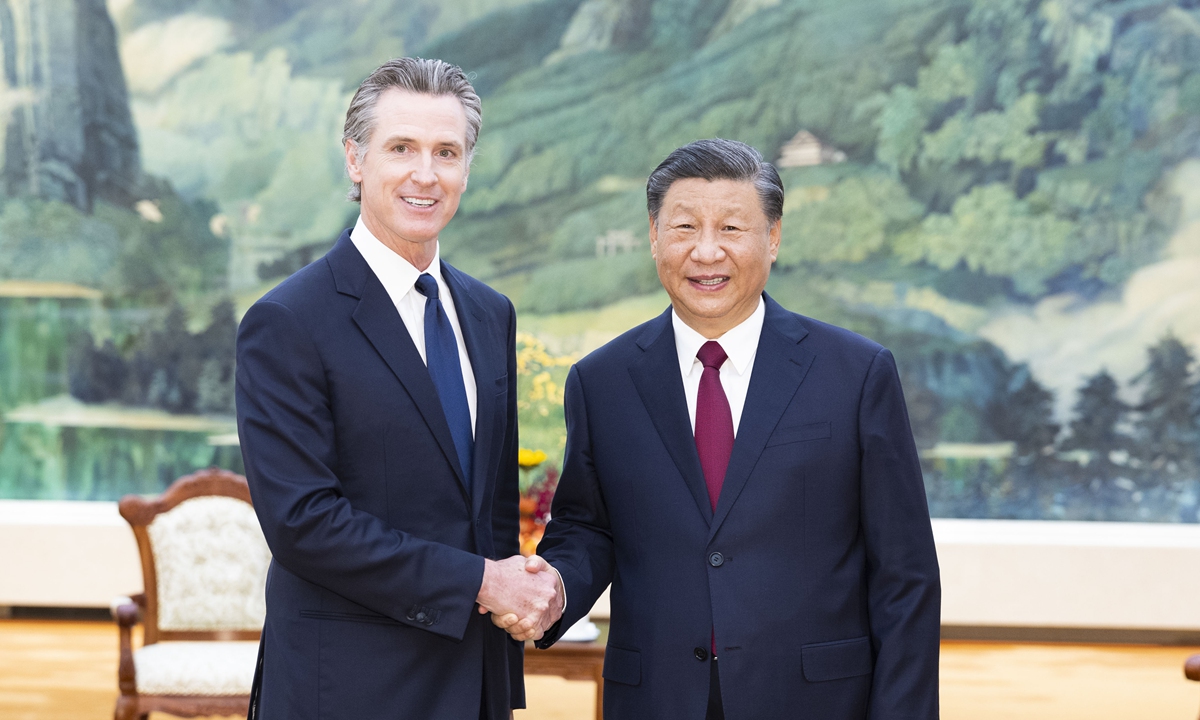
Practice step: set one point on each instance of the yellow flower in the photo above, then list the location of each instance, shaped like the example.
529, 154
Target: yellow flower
528, 459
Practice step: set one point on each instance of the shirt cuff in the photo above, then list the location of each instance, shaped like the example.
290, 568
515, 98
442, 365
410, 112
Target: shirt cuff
562, 585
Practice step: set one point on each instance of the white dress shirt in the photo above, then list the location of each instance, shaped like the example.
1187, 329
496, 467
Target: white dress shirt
399, 279
740, 345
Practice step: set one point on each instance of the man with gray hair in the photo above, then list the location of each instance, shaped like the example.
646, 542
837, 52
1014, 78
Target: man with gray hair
376, 402
746, 479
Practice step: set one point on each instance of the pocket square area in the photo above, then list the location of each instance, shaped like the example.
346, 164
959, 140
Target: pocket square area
801, 433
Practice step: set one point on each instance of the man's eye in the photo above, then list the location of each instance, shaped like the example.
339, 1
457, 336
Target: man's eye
730, 228
446, 153
401, 148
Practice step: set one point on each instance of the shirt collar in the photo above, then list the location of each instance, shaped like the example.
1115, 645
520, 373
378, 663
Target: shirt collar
397, 275
740, 343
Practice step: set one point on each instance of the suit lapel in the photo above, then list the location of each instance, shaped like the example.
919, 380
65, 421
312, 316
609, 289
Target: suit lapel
779, 367
481, 348
376, 316
660, 386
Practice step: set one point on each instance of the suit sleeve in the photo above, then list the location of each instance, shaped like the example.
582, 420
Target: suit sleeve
287, 432
578, 540
506, 512
903, 584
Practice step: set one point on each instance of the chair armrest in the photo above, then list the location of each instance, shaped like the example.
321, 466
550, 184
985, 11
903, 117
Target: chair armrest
138, 599
1191, 668
127, 616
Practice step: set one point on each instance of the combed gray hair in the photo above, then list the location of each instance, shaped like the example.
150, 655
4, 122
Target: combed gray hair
418, 75
717, 159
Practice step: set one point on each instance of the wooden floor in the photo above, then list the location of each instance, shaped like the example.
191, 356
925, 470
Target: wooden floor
53, 670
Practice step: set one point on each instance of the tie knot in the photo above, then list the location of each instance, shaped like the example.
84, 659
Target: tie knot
712, 355
427, 286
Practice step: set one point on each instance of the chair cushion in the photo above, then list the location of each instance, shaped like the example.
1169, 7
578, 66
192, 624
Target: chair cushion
195, 668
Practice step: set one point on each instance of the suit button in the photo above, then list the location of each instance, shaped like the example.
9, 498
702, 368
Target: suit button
410, 616
716, 559
422, 617
701, 654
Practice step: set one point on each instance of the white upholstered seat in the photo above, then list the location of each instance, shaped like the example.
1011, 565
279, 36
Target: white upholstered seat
195, 668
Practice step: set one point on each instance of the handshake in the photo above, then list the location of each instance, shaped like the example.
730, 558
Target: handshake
524, 596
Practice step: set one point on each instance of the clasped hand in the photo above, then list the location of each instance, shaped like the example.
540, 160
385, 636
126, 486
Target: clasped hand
523, 595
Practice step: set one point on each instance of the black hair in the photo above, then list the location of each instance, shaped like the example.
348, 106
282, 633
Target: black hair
717, 159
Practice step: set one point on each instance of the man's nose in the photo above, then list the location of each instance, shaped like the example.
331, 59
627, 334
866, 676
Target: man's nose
708, 247
424, 173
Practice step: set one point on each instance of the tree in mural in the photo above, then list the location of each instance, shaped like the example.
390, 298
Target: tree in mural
214, 384
98, 374
169, 368
1024, 415
1096, 427
1168, 425
1097, 449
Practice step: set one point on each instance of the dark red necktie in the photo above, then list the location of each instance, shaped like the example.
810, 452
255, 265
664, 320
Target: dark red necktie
714, 427
714, 421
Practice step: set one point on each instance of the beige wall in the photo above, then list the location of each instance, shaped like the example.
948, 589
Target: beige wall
1069, 574
67, 554
994, 572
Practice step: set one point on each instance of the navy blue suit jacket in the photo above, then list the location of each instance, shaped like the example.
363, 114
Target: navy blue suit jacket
817, 571
378, 539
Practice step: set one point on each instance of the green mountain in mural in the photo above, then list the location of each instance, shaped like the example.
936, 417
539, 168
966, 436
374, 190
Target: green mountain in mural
1018, 143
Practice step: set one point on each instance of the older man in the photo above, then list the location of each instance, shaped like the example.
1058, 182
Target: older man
376, 398
746, 479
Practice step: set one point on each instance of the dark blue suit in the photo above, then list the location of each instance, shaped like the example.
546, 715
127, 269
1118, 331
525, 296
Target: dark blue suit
378, 539
817, 571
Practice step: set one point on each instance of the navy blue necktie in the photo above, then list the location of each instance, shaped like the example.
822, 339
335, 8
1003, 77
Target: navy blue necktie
441, 355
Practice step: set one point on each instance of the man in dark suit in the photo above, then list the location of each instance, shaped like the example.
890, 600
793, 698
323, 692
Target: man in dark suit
376, 398
746, 479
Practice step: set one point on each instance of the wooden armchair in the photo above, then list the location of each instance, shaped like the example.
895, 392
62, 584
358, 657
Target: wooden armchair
204, 564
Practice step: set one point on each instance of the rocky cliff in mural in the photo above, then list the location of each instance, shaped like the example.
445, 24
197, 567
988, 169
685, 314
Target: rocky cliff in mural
65, 128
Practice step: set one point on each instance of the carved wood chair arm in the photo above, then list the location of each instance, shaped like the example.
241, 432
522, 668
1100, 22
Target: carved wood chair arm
127, 616
1191, 668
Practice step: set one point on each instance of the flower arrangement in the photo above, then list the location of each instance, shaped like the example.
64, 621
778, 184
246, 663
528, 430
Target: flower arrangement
536, 496
541, 375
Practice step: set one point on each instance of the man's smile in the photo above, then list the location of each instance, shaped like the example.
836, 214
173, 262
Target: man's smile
709, 282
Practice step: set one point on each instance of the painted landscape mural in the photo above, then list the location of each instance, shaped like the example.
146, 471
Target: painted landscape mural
1004, 192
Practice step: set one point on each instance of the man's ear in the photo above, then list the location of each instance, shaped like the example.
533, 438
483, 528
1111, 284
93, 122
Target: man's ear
352, 168
653, 238
774, 237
